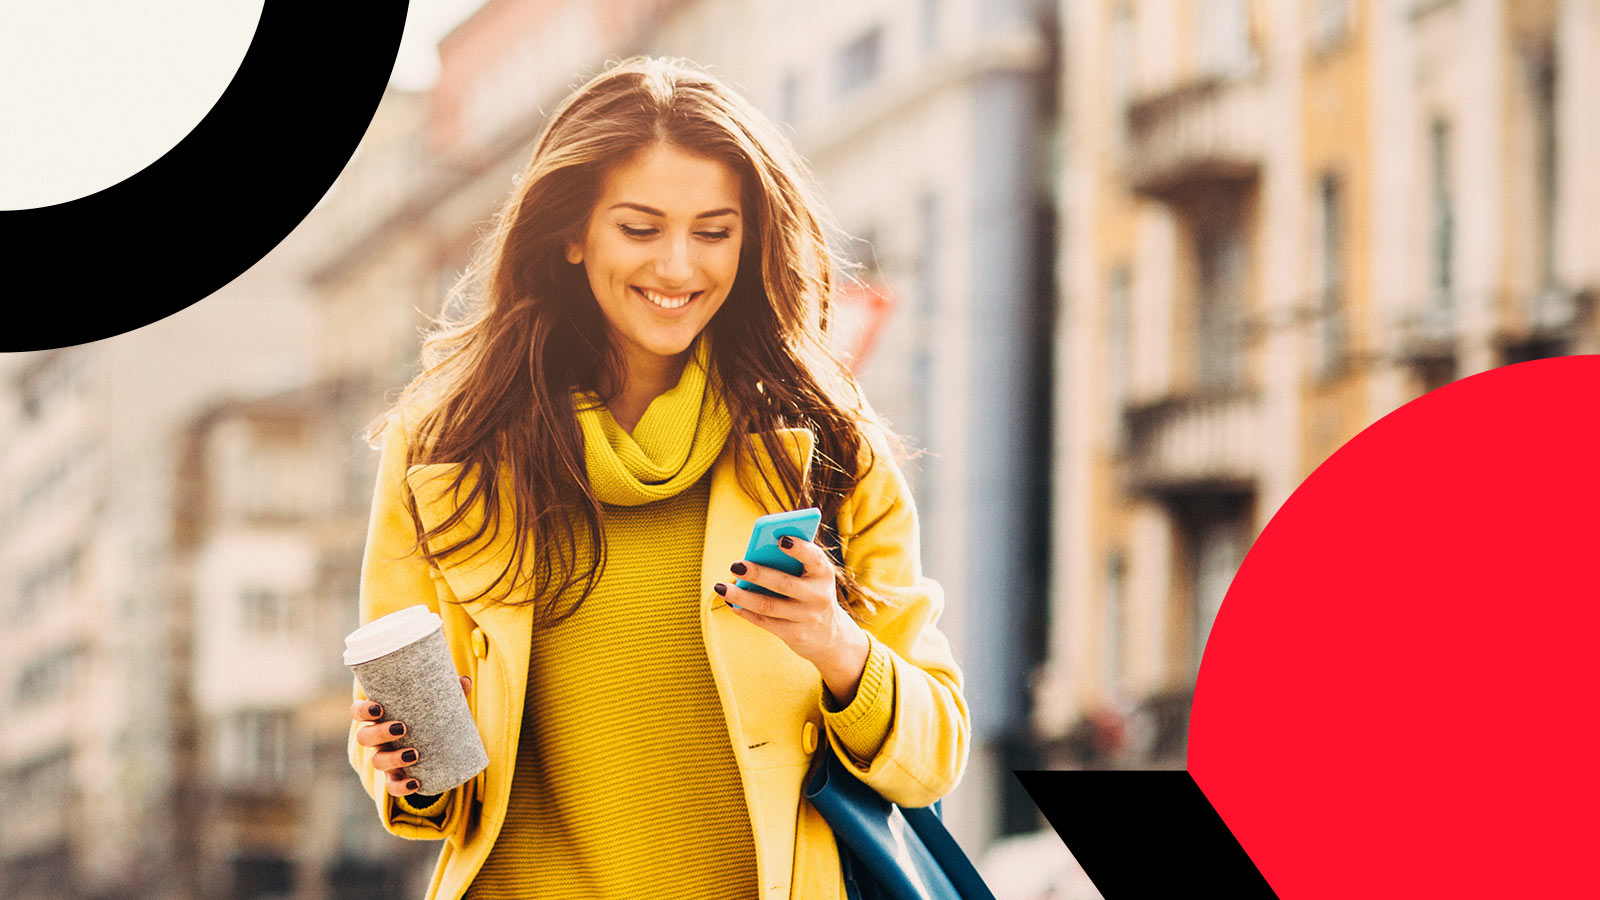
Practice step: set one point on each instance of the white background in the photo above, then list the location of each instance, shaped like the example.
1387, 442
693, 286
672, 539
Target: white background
92, 91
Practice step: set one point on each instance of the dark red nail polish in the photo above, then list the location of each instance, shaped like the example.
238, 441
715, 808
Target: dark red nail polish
409, 756
374, 710
412, 785
397, 729
721, 589
786, 542
738, 568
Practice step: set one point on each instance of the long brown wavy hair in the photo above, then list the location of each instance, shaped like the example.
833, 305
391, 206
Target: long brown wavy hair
522, 329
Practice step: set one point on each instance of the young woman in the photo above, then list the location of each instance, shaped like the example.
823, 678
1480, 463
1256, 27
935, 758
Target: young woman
570, 483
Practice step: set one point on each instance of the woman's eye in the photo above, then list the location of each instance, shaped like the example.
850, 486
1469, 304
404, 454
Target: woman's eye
631, 231
722, 235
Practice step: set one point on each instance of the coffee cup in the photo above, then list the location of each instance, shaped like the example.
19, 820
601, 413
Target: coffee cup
402, 661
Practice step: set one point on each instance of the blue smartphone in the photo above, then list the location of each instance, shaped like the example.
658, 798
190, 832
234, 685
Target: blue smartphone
764, 549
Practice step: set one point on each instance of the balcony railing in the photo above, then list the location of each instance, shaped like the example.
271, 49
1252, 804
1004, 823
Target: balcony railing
1206, 131
1430, 333
1194, 442
1552, 310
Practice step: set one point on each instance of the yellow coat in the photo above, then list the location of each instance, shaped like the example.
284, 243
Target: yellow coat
771, 698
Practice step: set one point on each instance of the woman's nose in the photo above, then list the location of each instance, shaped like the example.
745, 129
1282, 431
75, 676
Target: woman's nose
674, 265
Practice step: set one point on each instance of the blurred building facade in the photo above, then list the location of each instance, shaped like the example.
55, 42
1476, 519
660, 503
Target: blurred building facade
268, 548
60, 658
92, 681
1284, 220
267, 551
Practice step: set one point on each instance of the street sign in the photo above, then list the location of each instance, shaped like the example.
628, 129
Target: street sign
859, 312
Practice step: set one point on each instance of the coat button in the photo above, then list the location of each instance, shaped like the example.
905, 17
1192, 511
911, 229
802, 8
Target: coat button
480, 644
808, 738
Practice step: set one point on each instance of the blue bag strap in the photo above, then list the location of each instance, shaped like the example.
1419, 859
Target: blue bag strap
888, 852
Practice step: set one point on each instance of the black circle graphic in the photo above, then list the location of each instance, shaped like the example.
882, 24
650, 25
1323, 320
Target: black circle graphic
217, 202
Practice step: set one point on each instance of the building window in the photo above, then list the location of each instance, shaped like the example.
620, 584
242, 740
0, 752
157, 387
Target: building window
1224, 36
1115, 622
50, 483
266, 611
269, 477
1421, 8
257, 748
1444, 222
1220, 303
1219, 552
1435, 373
1123, 73
49, 677
1544, 106
1331, 22
52, 379
263, 877
859, 62
1117, 339
924, 306
1534, 348
1330, 277
358, 471
789, 99
1218, 537
49, 585
42, 781
929, 22
924, 313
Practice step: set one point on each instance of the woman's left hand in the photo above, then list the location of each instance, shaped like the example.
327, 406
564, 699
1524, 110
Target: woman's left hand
808, 617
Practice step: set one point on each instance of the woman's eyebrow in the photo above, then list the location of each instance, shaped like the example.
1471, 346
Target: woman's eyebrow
652, 211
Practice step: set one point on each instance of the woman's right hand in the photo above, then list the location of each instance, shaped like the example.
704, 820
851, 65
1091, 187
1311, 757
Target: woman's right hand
389, 736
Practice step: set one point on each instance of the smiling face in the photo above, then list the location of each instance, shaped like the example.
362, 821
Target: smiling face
661, 250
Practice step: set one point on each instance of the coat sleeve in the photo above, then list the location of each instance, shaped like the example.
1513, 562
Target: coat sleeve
393, 576
929, 732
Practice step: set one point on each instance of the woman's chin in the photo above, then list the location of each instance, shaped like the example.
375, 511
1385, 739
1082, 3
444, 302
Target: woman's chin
676, 343
668, 348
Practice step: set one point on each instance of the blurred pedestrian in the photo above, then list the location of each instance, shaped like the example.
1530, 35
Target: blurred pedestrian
632, 371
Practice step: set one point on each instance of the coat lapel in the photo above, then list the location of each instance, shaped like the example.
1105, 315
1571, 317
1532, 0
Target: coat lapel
762, 682
768, 693
472, 570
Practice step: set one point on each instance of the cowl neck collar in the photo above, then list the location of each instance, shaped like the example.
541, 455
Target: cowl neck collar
676, 440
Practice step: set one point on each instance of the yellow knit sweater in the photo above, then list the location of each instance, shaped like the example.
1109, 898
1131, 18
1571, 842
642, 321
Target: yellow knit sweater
625, 784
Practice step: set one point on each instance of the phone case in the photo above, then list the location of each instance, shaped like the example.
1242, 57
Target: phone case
764, 549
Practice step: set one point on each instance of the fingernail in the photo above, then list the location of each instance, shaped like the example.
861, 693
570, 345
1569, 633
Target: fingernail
409, 756
374, 710
397, 729
720, 588
412, 785
786, 542
738, 568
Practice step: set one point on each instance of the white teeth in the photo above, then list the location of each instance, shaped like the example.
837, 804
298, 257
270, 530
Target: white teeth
664, 301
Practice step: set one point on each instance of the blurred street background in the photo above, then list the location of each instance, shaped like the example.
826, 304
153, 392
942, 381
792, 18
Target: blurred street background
1132, 270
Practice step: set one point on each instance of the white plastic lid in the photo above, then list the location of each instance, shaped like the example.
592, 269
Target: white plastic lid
385, 635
